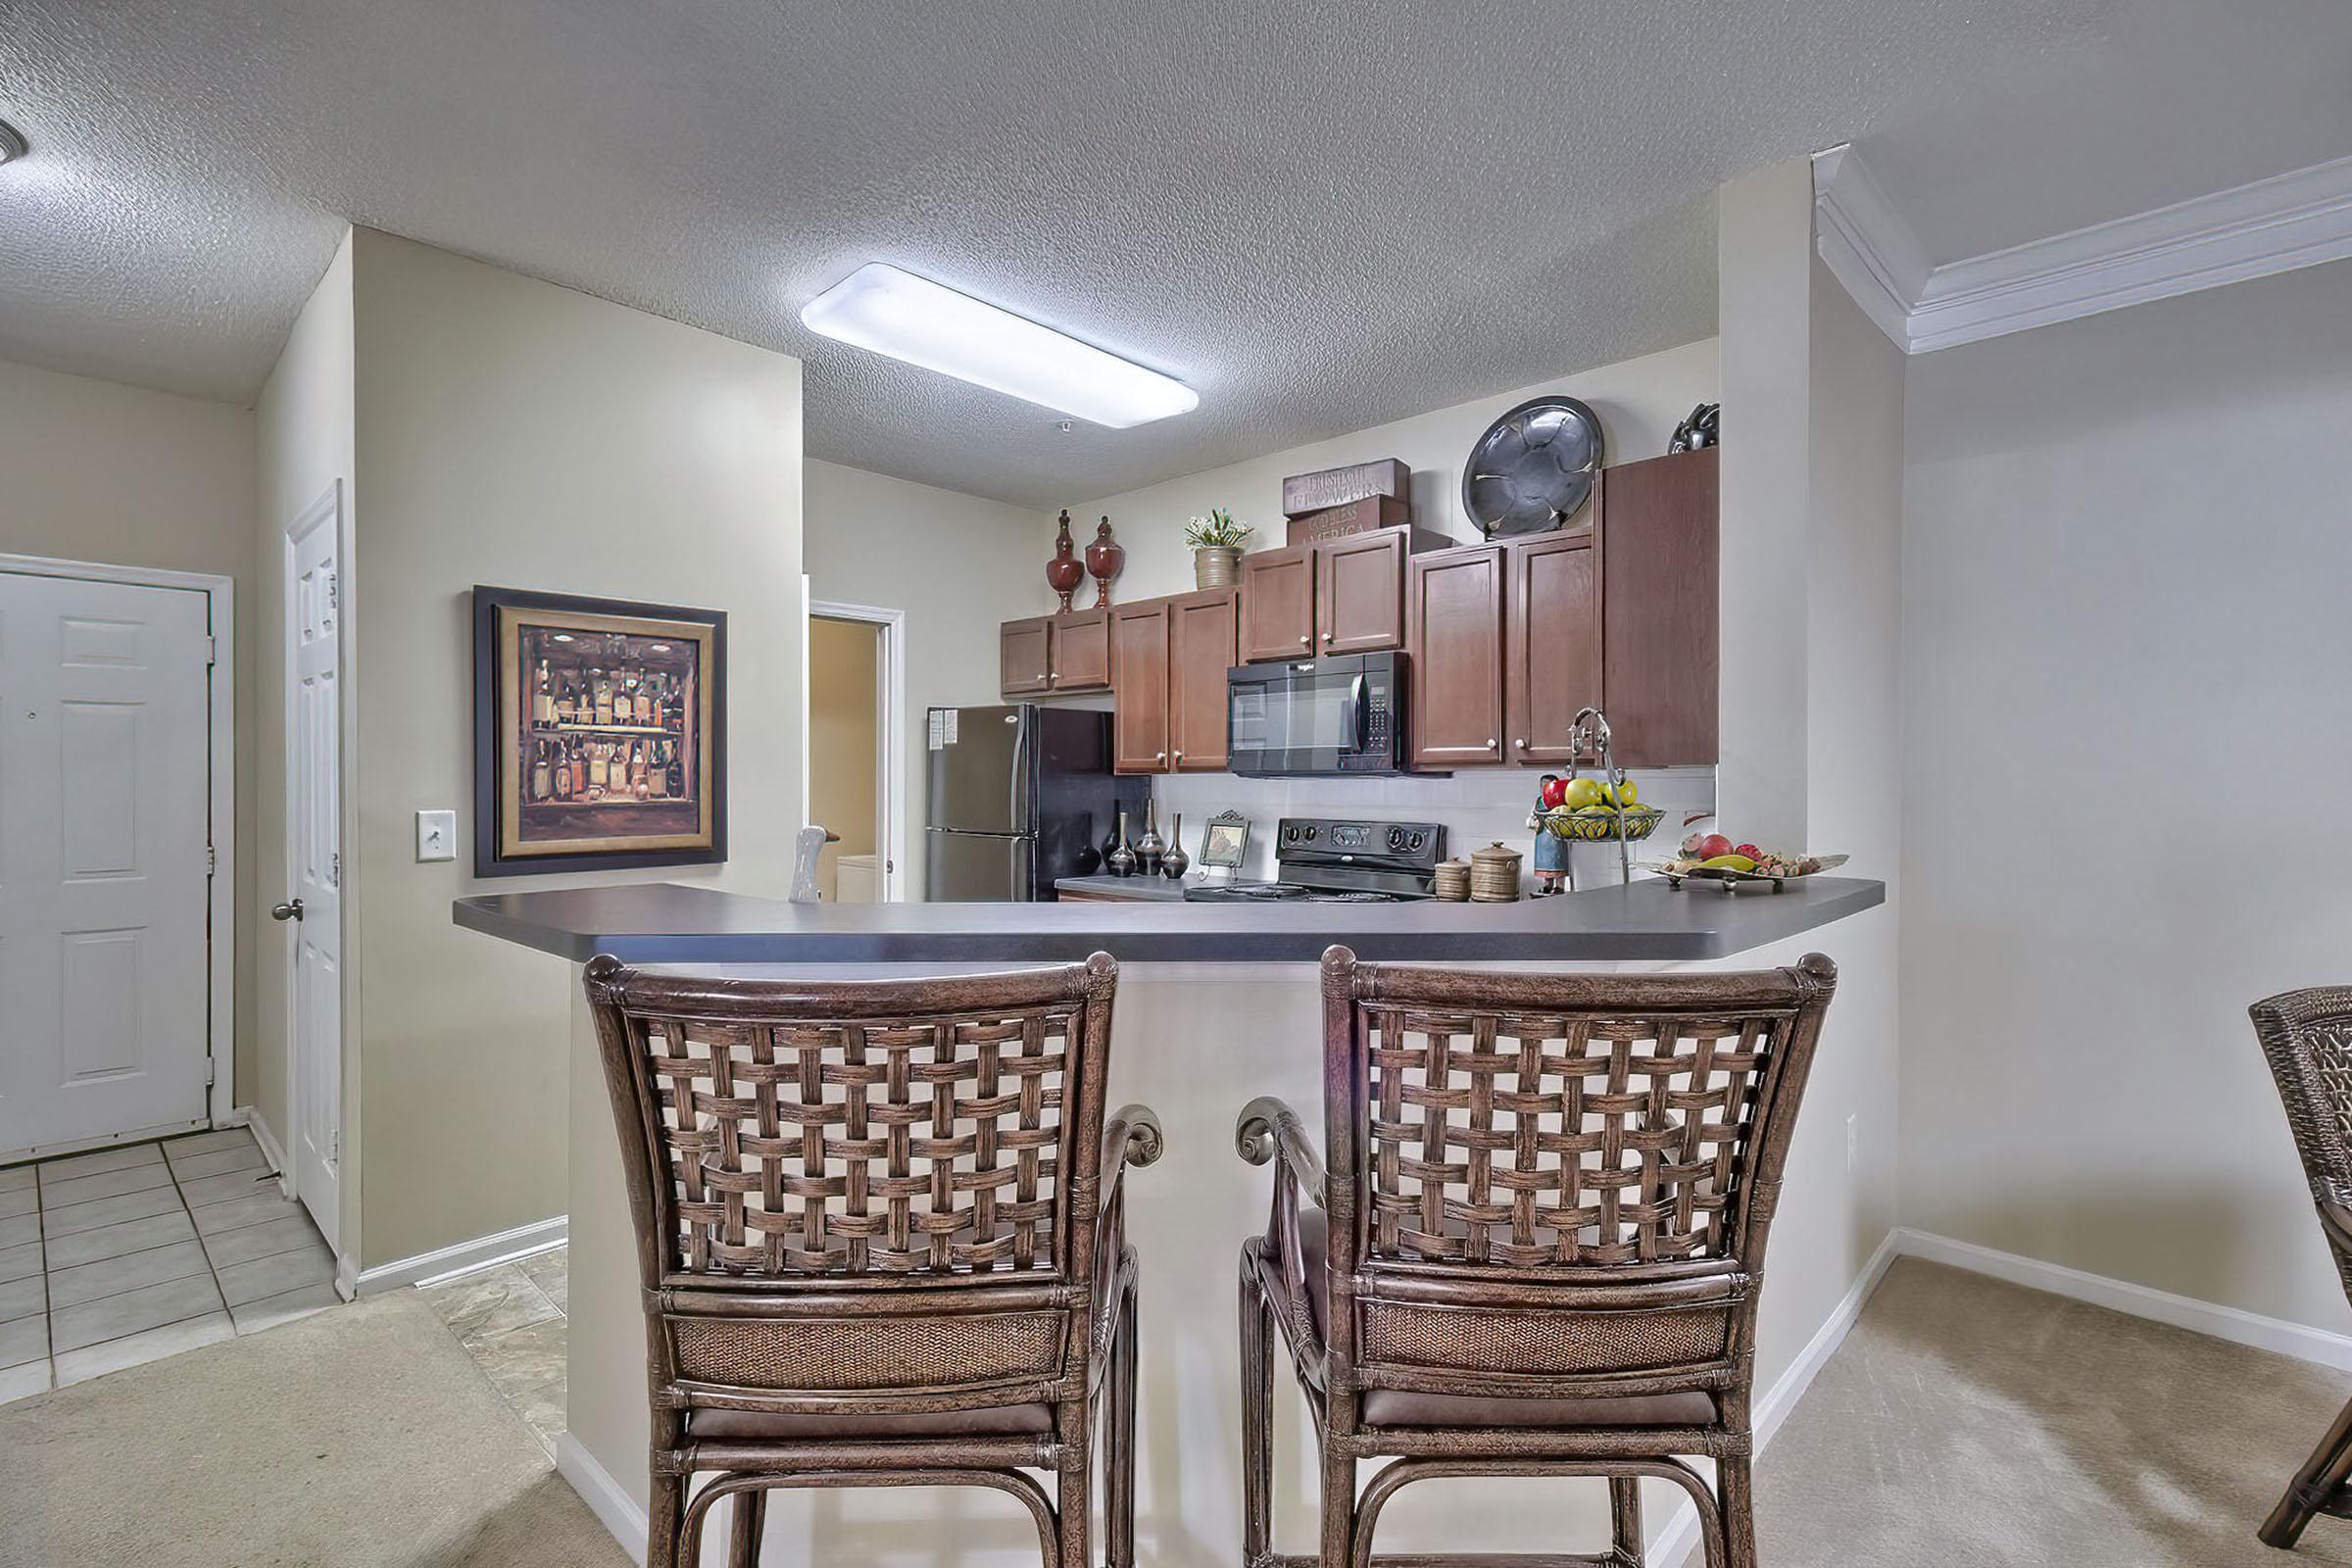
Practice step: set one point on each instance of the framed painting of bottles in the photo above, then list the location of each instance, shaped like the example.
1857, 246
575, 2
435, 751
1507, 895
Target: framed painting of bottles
600, 734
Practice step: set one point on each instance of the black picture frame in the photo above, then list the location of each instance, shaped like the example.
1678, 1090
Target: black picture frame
502, 843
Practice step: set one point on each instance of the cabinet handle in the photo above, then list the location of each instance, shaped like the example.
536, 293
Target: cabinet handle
1489, 746
1521, 743
1327, 636
1304, 639
1180, 757
1159, 756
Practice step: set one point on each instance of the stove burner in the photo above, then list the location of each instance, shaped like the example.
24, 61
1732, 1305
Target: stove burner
1282, 891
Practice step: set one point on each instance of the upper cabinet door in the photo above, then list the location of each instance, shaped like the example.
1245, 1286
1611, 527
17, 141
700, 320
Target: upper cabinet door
1555, 671
1278, 604
1454, 601
1081, 651
1359, 592
1024, 655
1139, 680
1203, 628
1659, 603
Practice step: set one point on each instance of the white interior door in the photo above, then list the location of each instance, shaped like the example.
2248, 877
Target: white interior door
105, 798
313, 908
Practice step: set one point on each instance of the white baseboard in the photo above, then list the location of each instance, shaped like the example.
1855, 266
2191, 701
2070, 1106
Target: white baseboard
1680, 1538
605, 1497
247, 1118
429, 1268
2303, 1343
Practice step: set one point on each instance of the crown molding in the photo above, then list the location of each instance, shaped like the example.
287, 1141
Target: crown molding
2271, 226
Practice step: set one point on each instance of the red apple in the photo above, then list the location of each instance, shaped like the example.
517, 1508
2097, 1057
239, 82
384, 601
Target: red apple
1711, 846
1555, 790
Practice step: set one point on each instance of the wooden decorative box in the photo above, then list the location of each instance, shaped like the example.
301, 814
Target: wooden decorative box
1356, 516
1336, 487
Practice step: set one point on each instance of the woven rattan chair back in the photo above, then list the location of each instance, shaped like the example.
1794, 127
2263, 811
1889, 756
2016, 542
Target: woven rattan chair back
1562, 1184
2307, 1037
862, 1196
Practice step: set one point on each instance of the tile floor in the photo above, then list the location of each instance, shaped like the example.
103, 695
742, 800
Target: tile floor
138, 1253
511, 1319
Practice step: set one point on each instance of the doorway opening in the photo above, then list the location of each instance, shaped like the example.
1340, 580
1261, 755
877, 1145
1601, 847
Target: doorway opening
851, 746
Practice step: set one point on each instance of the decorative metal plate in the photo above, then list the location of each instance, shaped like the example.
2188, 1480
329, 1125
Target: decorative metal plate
1532, 468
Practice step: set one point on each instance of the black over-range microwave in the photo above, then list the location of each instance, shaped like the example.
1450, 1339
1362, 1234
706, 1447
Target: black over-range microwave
1344, 714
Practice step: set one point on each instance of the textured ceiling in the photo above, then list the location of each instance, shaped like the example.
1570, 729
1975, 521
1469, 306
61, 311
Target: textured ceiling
1321, 216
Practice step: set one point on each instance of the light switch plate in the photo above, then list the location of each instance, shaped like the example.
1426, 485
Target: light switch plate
436, 836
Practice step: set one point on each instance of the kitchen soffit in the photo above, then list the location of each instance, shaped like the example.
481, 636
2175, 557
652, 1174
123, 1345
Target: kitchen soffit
1320, 219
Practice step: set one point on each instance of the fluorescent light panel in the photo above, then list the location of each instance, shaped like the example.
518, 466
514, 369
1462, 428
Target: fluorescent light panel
893, 312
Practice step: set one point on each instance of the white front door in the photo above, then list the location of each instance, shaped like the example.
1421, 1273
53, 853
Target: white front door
105, 797
315, 861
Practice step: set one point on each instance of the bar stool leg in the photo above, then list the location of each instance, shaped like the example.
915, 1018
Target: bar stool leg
1625, 1519
1118, 1503
1339, 1512
746, 1517
1257, 1418
1733, 1478
2323, 1475
664, 1518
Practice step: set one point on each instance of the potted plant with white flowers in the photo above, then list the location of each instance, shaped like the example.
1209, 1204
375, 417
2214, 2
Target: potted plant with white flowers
1218, 541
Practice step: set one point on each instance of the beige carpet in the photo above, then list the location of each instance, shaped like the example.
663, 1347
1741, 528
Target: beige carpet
1965, 1421
360, 1438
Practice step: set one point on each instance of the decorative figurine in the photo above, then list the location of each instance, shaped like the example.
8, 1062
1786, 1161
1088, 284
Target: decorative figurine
1550, 862
1104, 559
1065, 571
1175, 862
1701, 430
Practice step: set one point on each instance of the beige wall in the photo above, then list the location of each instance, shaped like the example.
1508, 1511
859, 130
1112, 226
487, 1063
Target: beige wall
2125, 559
514, 433
1640, 402
957, 566
842, 731
305, 437
95, 470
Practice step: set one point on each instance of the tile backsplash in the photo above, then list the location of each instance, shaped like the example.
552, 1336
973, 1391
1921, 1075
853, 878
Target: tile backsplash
1476, 809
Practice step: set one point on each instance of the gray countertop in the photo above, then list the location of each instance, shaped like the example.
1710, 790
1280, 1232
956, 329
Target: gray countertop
667, 922
1141, 889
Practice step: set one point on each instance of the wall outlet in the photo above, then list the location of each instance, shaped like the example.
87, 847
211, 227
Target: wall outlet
436, 836
1853, 1140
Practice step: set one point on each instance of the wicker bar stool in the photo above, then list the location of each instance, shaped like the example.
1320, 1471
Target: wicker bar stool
1534, 1243
879, 1229
2307, 1035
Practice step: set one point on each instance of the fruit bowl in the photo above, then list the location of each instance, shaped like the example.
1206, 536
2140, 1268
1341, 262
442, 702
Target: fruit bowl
1598, 824
1772, 872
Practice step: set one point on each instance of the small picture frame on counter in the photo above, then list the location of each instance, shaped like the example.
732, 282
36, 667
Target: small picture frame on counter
1224, 841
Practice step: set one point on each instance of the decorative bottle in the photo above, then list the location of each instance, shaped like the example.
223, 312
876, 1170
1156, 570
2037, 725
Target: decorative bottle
1065, 571
1175, 862
1150, 849
1120, 861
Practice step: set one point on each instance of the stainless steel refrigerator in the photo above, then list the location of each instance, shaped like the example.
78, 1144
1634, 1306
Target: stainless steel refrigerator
1020, 797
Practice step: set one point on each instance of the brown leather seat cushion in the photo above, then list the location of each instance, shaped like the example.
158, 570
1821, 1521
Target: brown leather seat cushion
725, 1425
1399, 1407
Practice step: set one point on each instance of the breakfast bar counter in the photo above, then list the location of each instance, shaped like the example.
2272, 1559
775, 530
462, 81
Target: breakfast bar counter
667, 922
1218, 1002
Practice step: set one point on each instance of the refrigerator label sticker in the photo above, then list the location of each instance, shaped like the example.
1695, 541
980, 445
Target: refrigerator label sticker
937, 731
953, 715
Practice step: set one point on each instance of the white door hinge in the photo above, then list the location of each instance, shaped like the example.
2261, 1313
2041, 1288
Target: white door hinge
212, 652
211, 1070
334, 1145
334, 869
211, 861
335, 581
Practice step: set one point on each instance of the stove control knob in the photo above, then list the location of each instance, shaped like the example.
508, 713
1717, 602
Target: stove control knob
1396, 838
1416, 840
1309, 834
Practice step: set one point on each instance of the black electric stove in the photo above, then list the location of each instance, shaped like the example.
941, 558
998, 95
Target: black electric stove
1326, 860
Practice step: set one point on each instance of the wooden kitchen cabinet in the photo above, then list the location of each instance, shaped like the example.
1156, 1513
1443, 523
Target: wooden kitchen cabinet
1454, 629
1278, 604
1055, 653
1024, 656
1078, 651
1359, 592
1338, 596
1552, 634
1659, 617
1139, 685
1202, 632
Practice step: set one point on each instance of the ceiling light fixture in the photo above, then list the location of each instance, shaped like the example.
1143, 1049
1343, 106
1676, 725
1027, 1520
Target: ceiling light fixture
12, 143
893, 312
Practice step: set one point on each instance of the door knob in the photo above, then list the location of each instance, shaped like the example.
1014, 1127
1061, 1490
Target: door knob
291, 910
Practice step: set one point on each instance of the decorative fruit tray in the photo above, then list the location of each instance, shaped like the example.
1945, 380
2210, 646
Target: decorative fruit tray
1598, 824
1772, 872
